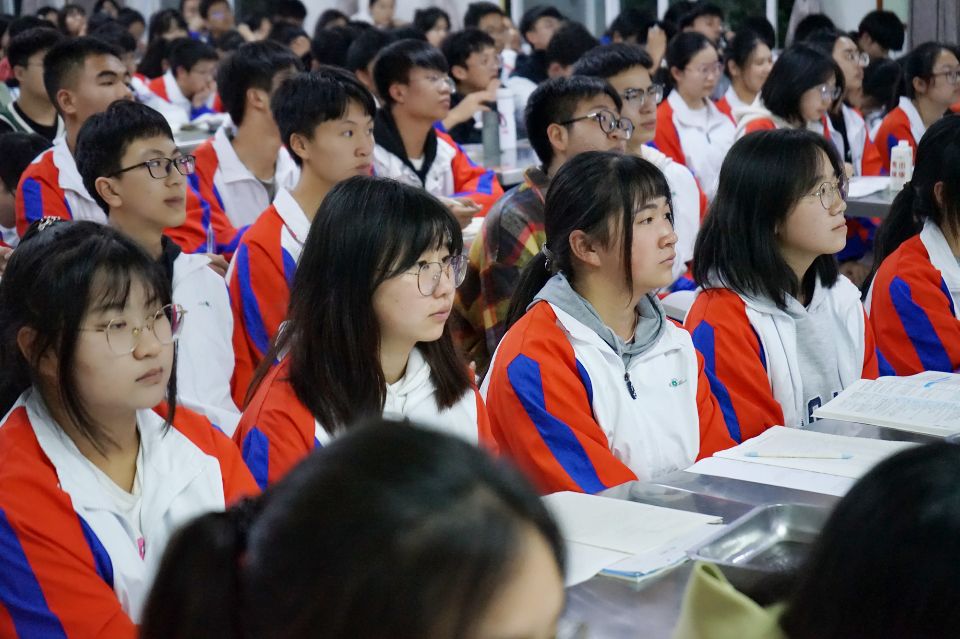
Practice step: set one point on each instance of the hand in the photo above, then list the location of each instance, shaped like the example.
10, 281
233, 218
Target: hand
200, 97
462, 208
656, 44
248, 35
470, 104
855, 271
848, 169
218, 263
5, 253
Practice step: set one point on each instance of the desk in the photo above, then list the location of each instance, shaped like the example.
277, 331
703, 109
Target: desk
613, 608
873, 205
189, 140
513, 162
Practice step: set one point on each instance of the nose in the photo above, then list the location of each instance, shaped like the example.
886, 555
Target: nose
147, 345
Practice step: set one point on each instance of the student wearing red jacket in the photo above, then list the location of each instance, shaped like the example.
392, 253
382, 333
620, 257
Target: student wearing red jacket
326, 123
913, 301
189, 84
98, 465
747, 62
382, 345
780, 330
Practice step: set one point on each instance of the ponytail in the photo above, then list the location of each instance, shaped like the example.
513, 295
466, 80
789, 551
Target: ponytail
533, 277
197, 591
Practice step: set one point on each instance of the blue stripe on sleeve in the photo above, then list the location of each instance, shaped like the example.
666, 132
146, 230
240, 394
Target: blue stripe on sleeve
587, 384
256, 454
919, 329
249, 305
101, 558
946, 293
524, 376
32, 200
884, 366
485, 183
20, 591
231, 246
216, 194
892, 141
705, 342
289, 267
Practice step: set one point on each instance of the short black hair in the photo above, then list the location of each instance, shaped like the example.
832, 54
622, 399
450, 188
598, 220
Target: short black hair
394, 64
30, 42
105, 137
285, 33
117, 35
762, 27
98, 21
606, 61
458, 46
799, 68
206, 4
569, 44
476, 11
185, 53
881, 82
163, 21
365, 47
127, 16
698, 10
254, 66
328, 16
810, 24
25, 23
555, 101
289, 9
529, 18
426, 19
330, 46
67, 57
885, 28
17, 151
44, 11
407, 32
309, 99
229, 42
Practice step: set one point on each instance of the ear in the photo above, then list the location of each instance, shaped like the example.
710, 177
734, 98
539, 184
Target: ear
180, 74
919, 86
26, 342
675, 73
459, 73
258, 99
556, 70
107, 189
558, 136
733, 69
298, 145
18, 72
67, 101
398, 92
938, 193
584, 248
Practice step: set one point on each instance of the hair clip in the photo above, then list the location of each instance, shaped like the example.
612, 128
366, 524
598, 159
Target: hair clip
47, 221
551, 259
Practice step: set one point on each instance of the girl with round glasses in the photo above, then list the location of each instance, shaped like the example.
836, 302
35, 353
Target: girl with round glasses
690, 127
782, 332
98, 463
592, 386
366, 330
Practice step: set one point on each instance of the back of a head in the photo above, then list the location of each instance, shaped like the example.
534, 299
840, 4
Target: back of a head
810, 24
699, 10
186, 52
569, 43
608, 60
887, 562
17, 151
556, 101
128, 17
885, 28
631, 24
365, 47
293, 11
529, 18
762, 27
66, 58
30, 42
395, 62
117, 35
254, 66
800, 67
25, 23
882, 81
330, 46
477, 10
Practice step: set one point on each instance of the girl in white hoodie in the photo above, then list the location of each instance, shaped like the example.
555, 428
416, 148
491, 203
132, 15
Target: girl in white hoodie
366, 332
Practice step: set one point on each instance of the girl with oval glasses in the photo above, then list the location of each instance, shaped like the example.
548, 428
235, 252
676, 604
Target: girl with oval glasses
98, 464
781, 331
690, 127
366, 331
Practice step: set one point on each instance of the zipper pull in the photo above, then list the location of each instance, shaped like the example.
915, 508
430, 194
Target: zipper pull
626, 378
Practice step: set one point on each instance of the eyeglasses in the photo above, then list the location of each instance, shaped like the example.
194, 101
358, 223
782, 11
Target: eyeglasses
861, 58
429, 273
952, 76
159, 168
829, 192
123, 338
829, 93
440, 81
654, 92
707, 70
608, 122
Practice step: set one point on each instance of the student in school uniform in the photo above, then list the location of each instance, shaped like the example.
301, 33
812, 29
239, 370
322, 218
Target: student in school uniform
243, 166
931, 82
412, 81
17, 151
32, 111
475, 67
782, 332
690, 128
592, 386
325, 119
395, 512
98, 464
190, 82
629, 70
747, 62
565, 116
130, 163
388, 257
914, 299
83, 76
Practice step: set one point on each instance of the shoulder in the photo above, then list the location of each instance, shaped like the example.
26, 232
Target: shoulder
207, 159
720, 301
265, 231
275, 402
538, 335
21, 458
910, 261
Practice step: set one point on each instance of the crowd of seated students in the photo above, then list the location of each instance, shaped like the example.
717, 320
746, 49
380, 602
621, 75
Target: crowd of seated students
182, 330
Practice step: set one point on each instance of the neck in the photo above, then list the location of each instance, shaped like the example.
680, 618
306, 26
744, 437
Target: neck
744, 94
257, 143
393, 359
953, 240
617, 309
799, 264
38, 110
148, 238
309, 192
694, 103
555, 164
854, 98
929, 111
72, 129
413, 132
635, 146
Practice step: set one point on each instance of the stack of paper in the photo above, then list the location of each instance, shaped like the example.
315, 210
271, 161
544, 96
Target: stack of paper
927, 403
600, 532
864, 186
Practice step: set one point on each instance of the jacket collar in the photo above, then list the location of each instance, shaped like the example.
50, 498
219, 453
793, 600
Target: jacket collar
917, 127
234, 170
68, 175
685, 115
292, 215
388, 137
942, 257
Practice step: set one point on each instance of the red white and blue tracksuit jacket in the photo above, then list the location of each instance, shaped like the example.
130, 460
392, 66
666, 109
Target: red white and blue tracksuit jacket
902, 123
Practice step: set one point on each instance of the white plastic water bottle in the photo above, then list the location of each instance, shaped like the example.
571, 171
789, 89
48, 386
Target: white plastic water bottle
901, 165
508, 120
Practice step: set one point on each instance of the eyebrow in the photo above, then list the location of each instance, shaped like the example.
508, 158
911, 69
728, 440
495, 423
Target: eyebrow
103, 75
354, 122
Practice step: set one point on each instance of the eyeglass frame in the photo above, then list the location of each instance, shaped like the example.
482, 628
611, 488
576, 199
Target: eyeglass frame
954, 73
595, 115
839, 187
444, 79
862, 58
171, 162
653, 91
704, 69
828, 92
139, 330
447, 269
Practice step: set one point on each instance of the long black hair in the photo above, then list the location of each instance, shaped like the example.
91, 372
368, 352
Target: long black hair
938, 162
57, 274
763, 177
919, 63
366, 231
390, 532
887, 563
798, 69
597, 192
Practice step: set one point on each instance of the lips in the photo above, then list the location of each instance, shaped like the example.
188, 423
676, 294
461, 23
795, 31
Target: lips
174, 201
152, 376
842, 225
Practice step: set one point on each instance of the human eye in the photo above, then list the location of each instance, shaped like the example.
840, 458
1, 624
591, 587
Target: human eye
117, 326
348, 133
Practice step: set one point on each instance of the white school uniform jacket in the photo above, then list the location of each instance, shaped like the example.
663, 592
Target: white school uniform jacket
221, 175
75, 563
560, 406
205, 348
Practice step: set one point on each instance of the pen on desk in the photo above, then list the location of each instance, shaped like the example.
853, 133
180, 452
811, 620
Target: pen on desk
824, 455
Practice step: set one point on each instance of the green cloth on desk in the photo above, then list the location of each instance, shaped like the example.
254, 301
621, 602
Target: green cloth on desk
714, 609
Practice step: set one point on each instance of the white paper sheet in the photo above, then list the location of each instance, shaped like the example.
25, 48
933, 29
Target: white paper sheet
773, 475
584, 562
670, 554
866, 185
